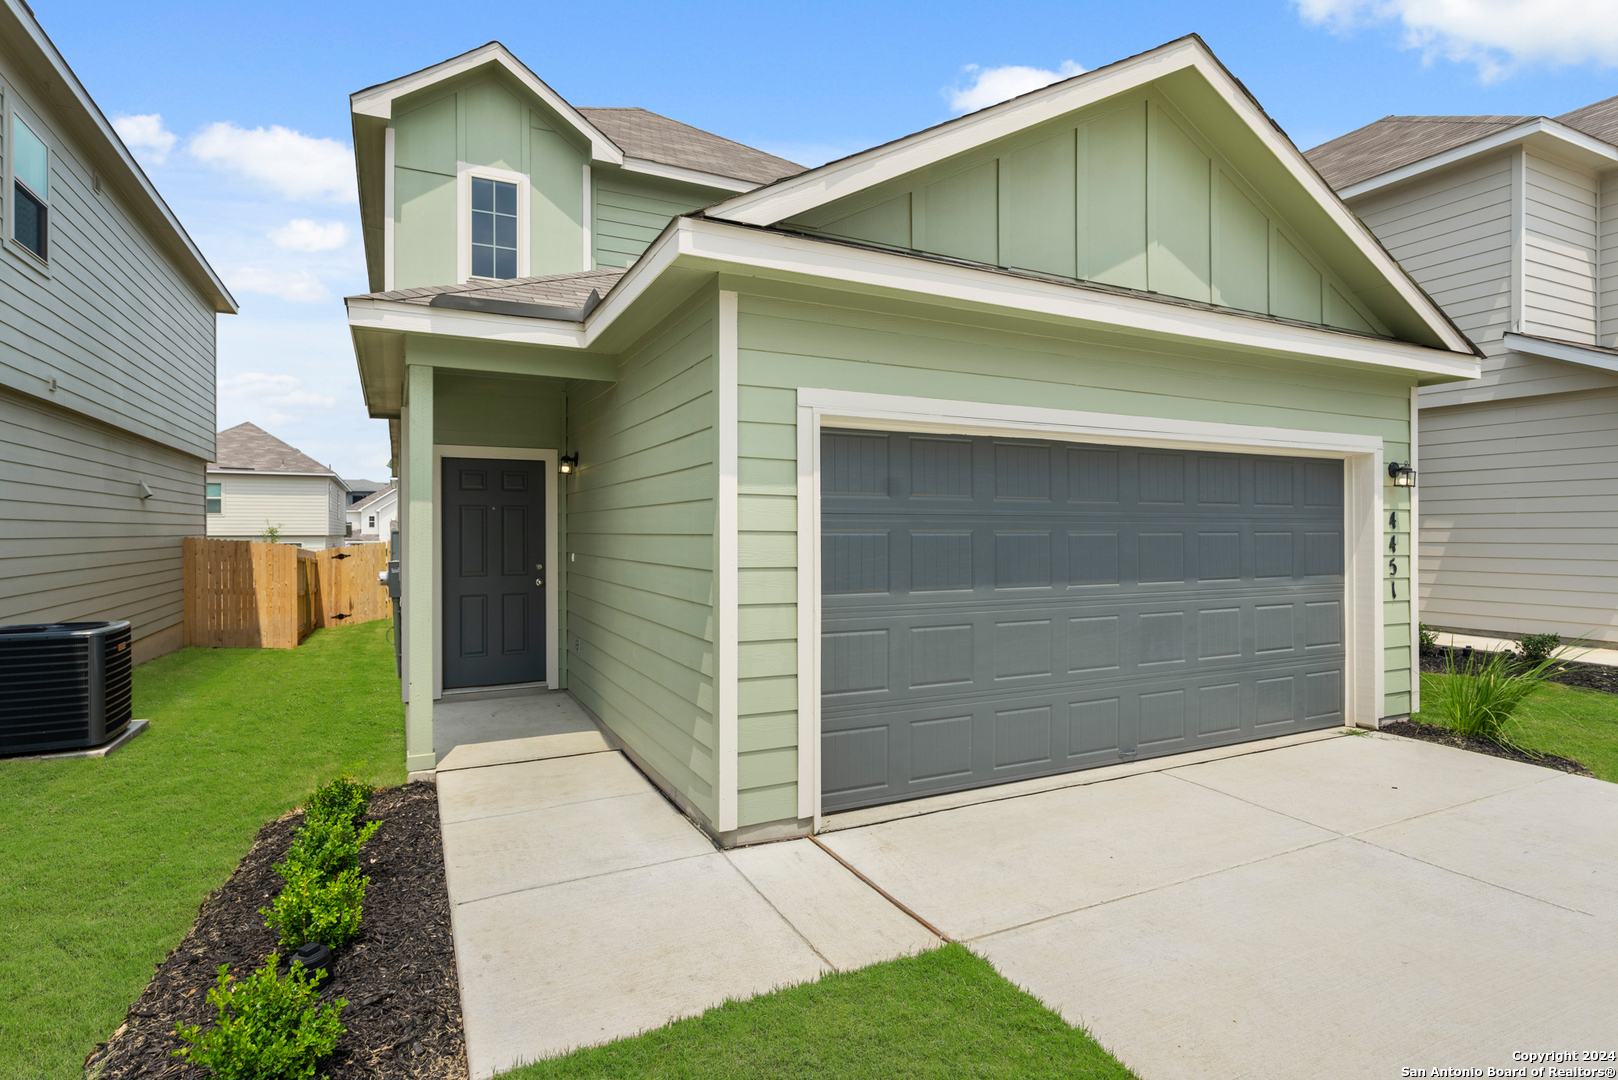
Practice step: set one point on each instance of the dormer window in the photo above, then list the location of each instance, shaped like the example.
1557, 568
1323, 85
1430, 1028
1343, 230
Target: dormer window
494, 223
494, 228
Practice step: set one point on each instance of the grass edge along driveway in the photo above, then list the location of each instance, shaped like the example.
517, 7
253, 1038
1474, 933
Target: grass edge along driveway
1568, 721
104, 862
943, 1014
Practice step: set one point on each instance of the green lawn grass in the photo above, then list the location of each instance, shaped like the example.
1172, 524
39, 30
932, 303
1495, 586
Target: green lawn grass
103, 863
1566, 721
944, 1014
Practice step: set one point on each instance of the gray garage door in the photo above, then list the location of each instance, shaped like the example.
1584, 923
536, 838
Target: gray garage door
996, 609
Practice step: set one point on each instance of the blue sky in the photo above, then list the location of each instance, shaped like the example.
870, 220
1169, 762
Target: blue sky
251, 148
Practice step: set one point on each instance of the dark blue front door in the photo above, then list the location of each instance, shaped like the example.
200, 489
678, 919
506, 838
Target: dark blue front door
494, 571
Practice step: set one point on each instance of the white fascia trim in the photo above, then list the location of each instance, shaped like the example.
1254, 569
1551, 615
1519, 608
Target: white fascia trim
888, 270
464, 172
727, 608
395, 316
211, 471
378, 100
552, 603
717, 242
686, 176
1576, 140
1552, 350
1363, 474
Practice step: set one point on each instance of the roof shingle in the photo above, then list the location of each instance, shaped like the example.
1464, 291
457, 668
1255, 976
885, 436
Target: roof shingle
551, 290
250, 448
646, 135
1393, 141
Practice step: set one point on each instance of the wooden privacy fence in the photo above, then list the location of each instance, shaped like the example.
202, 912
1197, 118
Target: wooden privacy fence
243, 594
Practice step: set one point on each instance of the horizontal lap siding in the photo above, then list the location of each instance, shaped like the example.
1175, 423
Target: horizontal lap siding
77, 541
1559, 262
785, 344
629, 212
298, 506
1518, 507
640, 512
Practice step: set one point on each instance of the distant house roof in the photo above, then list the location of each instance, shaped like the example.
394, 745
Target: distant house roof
554, 296
249, 448
366, 485
646, 135
1395, 141
372, 499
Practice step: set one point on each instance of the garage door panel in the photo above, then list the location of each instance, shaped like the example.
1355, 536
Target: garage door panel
1008, 608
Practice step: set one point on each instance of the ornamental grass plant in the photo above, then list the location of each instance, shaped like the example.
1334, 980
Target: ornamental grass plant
1482, 702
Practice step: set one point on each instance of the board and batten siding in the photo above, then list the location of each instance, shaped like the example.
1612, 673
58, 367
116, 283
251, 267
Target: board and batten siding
483, 120
641, 518
305, 509
629, 210
821, 340
129, 340
1559, 249
77, 540
1126, 193
1518, 510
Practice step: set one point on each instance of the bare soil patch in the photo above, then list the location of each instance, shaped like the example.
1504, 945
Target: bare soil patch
403, 1017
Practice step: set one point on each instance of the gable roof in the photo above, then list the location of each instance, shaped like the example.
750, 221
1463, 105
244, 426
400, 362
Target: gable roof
1394, 143
249, 448
651, 137
380, 495
38, 59
1269, 157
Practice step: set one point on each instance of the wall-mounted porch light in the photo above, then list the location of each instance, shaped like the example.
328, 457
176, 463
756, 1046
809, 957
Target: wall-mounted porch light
567, 462
1403, 475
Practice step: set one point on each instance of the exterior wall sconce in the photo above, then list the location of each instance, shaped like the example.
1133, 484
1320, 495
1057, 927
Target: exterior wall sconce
567, 463
1403, 475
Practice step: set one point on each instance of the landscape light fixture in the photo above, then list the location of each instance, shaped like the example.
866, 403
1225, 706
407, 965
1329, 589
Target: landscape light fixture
567, 462
1403, 475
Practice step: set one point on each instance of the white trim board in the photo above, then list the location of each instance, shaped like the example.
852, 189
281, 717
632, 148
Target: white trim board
686, 176
1363, 473
719, 245
1585, 149
552, 593
1590, 357
727, 609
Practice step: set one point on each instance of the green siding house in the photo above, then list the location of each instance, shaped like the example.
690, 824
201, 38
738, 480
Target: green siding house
1053, 436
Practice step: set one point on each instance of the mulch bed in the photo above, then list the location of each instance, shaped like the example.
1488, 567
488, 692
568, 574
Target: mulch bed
1573, 673
403, 1017
1414, 729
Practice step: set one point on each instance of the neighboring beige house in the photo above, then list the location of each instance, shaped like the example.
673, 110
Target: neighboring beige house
1511, 224
107, 381
373, 518
260, 483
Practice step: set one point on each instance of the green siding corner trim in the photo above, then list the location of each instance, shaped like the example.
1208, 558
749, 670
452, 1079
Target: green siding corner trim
1128, 193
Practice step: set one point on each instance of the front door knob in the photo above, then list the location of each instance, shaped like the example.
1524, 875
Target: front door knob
537, 581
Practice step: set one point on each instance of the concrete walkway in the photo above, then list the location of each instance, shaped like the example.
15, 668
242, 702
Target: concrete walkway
1344, 908
586, 909
1582, 653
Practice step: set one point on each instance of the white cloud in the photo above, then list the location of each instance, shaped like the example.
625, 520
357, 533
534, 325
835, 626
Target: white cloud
301, 234
296, 165
298, 286
281, 390
1496, 35
146, 134
992, 85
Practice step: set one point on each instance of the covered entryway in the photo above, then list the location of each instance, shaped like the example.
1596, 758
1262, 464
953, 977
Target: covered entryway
494, 571
995, 609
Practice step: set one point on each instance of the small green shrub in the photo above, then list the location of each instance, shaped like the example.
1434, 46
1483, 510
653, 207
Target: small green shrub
326, 846
269, 1028
342, 797
1478, 700
1537, 648
313, 907
1429, 638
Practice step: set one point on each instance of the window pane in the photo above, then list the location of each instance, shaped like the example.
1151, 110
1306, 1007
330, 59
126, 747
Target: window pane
482, 228
28, 221
213, 506
505, 196
29, 159
482, 261
505, 231
505, 263
482, 194
215, 490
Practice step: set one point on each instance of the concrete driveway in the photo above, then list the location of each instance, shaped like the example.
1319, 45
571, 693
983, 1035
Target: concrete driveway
1331, 905
1346, 907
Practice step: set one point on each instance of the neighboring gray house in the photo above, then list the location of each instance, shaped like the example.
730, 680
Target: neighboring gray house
107, 382
260, 483
373, 519
1511, 224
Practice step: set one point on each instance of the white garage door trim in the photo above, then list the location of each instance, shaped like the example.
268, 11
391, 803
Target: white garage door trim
1362, 517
